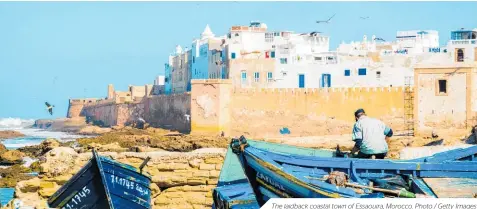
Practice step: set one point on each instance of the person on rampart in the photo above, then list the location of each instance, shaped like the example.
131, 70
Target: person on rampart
370, 136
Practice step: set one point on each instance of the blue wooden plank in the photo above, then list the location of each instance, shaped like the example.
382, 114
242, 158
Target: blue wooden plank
452, 187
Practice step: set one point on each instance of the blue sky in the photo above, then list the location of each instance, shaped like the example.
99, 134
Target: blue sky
53, 51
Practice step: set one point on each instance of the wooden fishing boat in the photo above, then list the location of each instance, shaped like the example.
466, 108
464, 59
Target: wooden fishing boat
103, 183
283, 174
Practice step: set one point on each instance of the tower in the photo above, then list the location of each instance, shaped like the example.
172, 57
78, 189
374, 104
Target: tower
110, 91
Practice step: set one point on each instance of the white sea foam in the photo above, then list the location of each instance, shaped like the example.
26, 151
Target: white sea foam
15, 123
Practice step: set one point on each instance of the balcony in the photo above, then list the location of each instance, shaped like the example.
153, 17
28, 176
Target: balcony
463, 42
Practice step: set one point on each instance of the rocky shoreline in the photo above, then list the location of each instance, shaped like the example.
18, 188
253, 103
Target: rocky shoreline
10, 134
184, 169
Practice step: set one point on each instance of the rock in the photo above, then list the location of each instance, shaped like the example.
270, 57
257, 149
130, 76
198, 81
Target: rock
10, 134
31, 185
62, 179
204, 166
155, 190
11, 157
48, 145
214, 160
113, 147
58, 161
47, 188
93, 130
195, 163
2, 148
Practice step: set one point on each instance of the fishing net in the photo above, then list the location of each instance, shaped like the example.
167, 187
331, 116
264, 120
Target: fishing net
337, 178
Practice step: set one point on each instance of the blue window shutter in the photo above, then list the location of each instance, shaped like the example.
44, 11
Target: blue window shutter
362, 71
273, 54
233, 55
347, 72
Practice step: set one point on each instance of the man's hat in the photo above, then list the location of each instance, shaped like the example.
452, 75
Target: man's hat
358, 112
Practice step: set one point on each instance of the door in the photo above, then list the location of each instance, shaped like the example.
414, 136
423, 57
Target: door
301, 81
325, 80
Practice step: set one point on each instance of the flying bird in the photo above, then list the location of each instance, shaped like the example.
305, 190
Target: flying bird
325, 21
49, 108
379, 39
364, 18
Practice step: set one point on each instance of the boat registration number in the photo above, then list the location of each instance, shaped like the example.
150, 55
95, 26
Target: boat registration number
77, 199
270, 181
128, 184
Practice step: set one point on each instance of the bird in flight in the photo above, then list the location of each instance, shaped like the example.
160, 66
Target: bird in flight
325, 21
364, 18
49, 108
379, 39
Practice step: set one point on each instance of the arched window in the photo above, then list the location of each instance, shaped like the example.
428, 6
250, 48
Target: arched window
460, 55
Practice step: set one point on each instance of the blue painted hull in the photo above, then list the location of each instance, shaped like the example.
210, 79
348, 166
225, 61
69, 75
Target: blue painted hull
291, 173
103, 183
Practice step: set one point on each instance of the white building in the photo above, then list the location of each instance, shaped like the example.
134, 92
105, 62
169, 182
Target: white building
417, 41
463, 45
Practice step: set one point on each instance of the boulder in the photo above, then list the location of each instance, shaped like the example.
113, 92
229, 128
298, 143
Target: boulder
113, 147
48, 145
2, 148
58, 161
11, 157
47, 188
31, 185
155, 190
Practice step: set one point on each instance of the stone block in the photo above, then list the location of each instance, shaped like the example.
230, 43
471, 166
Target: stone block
195, 163
214, 174
200, 173
204, 166
218, 167
214, 160
212, 181
196, 181
155, 190
172, 166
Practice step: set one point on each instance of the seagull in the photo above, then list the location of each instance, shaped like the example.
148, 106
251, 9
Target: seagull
326, 21
379, 39
364, 18
49, 107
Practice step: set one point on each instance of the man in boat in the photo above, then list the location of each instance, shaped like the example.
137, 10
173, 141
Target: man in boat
370, 136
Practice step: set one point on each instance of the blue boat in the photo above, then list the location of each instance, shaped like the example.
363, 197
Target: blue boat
302, 173
103, 183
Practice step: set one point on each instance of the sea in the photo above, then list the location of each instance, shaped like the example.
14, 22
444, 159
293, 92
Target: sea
32, 136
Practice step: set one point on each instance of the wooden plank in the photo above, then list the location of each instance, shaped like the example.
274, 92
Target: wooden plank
452, 187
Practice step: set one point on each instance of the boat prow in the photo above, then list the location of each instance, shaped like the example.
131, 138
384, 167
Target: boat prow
104, 183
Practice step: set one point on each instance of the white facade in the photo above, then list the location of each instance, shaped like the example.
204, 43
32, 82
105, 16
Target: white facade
417, 41
159, 81
360, 72
463, 46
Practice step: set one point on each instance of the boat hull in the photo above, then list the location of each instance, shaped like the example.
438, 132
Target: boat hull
103, 183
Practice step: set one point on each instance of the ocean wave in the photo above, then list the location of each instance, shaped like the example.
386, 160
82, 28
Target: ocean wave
15, 123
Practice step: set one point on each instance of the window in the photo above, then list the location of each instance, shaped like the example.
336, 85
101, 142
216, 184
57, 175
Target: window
441, 87
269, 76
276, 34
236, 34
362, 71
272, 54
256, 76
269, 37
193, 59
233, 55
347, 72
317, 58
378, 74
229, 35
459, 55
283, 60
244, 77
